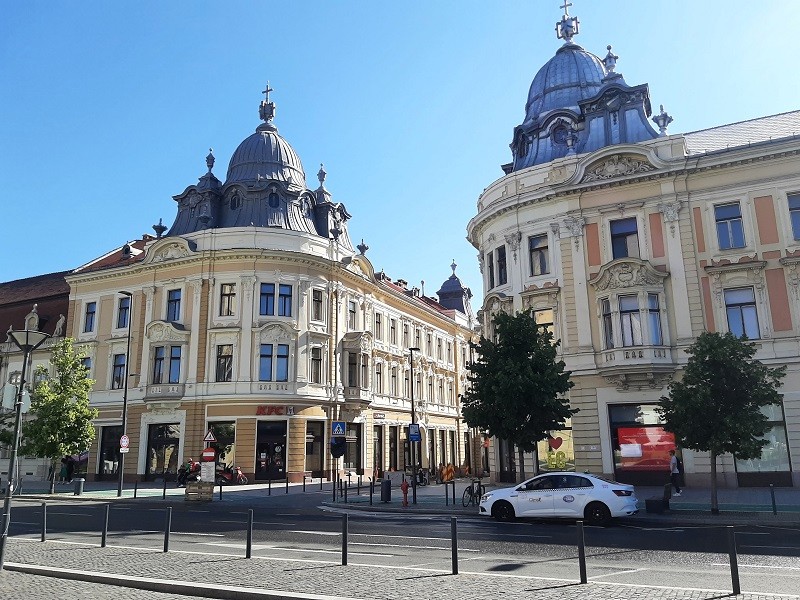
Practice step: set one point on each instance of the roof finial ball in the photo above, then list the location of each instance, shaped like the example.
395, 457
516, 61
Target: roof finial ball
610, 61
663, 120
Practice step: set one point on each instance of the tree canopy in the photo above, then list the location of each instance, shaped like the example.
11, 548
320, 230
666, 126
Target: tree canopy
716, 407
62, 423
517, 384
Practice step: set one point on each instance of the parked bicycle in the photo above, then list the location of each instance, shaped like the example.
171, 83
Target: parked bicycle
472, 494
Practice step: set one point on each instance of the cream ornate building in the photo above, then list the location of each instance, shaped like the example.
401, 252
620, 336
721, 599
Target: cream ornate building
254, 318
630, 242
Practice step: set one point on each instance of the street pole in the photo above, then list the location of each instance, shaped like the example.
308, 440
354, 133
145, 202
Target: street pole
413, 447
120, 475
27, 341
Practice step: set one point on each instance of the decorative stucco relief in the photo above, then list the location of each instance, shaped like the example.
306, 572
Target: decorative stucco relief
627, 273
670, 211
617, 166
161, 331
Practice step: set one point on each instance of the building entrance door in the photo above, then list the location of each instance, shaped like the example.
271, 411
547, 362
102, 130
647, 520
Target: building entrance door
270, 450
163, 440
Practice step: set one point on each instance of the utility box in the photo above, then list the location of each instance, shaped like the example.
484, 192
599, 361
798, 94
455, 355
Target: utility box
386, 490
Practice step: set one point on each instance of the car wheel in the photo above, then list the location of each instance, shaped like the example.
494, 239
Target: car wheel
503, 511
597, 513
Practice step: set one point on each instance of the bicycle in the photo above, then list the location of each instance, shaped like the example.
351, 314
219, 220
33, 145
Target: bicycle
472, 494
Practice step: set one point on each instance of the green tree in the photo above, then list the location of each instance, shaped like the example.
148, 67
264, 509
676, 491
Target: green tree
716, 407
62, 418
517, 384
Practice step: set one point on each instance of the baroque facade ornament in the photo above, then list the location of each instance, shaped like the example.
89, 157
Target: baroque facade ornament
160, 331
793, 272
627, 273
513, 240
575, 227
617, 166
670, 211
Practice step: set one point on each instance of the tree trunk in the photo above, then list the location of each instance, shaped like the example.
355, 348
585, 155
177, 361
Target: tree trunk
521, 465
714, 504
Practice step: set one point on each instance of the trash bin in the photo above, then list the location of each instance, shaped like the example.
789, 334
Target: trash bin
386, 490
79, 486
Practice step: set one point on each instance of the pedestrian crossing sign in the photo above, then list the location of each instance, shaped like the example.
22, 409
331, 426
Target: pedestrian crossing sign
338, 429
210, 437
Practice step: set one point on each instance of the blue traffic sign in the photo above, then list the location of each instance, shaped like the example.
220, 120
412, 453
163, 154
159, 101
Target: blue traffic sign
338, 429
413, 432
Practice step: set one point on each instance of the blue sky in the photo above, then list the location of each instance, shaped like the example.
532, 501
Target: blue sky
109, 108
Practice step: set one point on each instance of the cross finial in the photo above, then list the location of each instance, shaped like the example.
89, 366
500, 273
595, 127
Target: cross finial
267, 91
566, 6
266, 110
567, 27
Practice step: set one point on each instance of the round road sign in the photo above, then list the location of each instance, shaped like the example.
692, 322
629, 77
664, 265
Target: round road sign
124, 441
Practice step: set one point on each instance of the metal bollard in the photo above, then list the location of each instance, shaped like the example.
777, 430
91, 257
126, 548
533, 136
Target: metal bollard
248, 551
358, 492
344, 540
304, 484
167, 527
371, 490
135, 488
453, 484
287, 483
581, 552
772, 494
334, 489
164, 492
320, 482
447, 496
454, 545
220, 491
105, 527
346, 485
269, 486
734, 561
44, 521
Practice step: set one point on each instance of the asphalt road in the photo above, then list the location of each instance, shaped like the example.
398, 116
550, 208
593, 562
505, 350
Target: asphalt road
295, 529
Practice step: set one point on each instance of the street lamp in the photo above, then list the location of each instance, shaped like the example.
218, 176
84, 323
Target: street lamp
26, 340
413, 420
125, 392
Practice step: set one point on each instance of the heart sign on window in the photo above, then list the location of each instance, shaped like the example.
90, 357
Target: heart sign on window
555, 443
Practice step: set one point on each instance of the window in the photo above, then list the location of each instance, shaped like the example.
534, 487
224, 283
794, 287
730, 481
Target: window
406, 388
630, 321
86, 363
539, 254
624, 238
316, 365
428, 345
730, 232
440, 397
608, 325
123, 312
378, 326
654, 316
438, 348
174, 305
282, 363
227, 300
378, 385
794, 214
364, 367
417, 338
490, 268
740, 306
502, 272
352, 369
544, 318
158, 364
266, 305
265, 363
405, 335
284, 300
393, 382
393, 331
118, 372
175, 364
450, 352
351, 315
225, 362
88, 317
430, 389
316, 305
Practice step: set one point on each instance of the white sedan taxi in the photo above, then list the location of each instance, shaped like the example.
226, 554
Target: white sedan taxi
562, 494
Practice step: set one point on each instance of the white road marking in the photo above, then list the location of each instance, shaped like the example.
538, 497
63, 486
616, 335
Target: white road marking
757, 566
626, 572
408, 546
285, 549
254, 522
198, 534
328, 533
772, 547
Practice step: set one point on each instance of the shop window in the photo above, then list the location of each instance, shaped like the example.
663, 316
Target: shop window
624, 238
773, 466
123, 312
557, 451
315, 447
352, 453
730, 232
630, 321
539, 255
794, 214
89, 314
225, 446
640, 444
316, 305
740, 307
224, 362
227, 299
118, 372
173, 305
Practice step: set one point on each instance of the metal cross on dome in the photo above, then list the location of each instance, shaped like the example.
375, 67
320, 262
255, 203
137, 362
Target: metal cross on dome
568, 26
266, 109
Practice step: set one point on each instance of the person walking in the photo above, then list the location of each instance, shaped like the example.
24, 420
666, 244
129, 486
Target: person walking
674, 472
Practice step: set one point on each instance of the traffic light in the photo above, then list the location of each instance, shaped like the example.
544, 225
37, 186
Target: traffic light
338, 446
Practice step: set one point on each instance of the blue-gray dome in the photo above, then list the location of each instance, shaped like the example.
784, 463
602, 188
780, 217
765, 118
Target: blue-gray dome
265, 155
573, 74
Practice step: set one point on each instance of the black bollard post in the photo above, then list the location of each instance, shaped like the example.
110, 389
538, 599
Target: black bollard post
248, 552
344, 540
371, 490
304, 484
446, 495
44, 521
135, 488
164, 492
358, 492
287, 483
772, 495
320, 482
454, 492
167, 527
334, 488
581, 552
454, 545
269, 485
220, 491
346, 486
105, 527
734, 561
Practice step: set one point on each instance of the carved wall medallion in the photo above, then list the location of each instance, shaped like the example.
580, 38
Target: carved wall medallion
627, 273
617, 166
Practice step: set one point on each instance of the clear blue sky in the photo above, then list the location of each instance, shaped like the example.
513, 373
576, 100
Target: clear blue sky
109, 108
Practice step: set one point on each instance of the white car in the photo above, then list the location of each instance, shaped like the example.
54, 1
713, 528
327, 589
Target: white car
562, 494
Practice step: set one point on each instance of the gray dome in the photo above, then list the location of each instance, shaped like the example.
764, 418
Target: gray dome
573, 74
265, 155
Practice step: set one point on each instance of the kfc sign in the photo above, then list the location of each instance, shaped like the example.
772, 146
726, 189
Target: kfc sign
268, 409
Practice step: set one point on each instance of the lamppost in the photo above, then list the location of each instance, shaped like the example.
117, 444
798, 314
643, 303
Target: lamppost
26, 340
125, 392
413, 420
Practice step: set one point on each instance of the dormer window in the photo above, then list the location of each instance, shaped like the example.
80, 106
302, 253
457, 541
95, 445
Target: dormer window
273, 200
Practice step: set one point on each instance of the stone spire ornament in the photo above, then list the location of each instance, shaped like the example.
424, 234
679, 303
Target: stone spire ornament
362, 247
568, 26
210, 159
610, 61
453, 266
159, 229
321, 175
663, 120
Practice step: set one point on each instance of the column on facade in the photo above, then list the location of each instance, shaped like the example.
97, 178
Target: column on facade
246, 328
196, 286
575, 227
149, 295
680, 292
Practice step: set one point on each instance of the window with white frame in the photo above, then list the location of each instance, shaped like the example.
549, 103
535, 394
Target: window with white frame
440, 397
624, 238
393, 331
730, 231
630, 320
502, 268
89, 314
794, 213
224, 370
428, 345
405, 335
439, 348
740, 308
166, 367
173, 305
118, 372
449, 352
608, 324
393, 382
227, 300
490, 269
378, 383
351, 314
378, 326
539, 255
654, 318
316, 305
273, 364
123, 312
284, 300
316, 364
